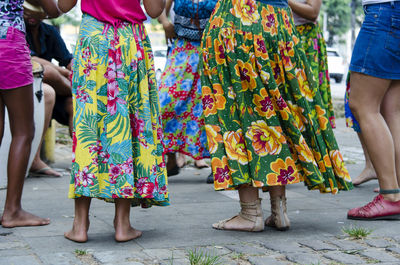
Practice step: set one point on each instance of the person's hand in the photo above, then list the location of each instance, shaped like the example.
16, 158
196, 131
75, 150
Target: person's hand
169, 31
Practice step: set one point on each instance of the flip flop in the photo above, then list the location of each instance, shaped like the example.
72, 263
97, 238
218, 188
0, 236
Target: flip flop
42, 173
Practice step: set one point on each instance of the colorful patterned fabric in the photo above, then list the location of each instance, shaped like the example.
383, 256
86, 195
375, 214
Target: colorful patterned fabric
315, 47
191, 17
11, 15
180, 97
265, 121
117, 137
351, 121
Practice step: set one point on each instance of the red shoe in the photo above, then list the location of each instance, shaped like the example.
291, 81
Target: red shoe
378, 209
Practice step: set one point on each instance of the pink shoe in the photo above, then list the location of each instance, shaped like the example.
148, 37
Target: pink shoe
378, 209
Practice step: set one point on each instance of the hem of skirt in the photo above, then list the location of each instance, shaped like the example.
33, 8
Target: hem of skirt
144, 202
185, 153
265, 186
362, 70
29, 82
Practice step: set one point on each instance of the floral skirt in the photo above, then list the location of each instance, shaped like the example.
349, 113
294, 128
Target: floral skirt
180, 98
265, 120
351, 121
117, 136
315, 47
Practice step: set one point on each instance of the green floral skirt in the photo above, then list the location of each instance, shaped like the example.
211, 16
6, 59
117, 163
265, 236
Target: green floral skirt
265, 120
315, 47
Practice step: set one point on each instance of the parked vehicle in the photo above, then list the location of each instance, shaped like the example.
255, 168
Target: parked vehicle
336, 65
160, 58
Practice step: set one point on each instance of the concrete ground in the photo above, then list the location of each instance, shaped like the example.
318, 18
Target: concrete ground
174, 234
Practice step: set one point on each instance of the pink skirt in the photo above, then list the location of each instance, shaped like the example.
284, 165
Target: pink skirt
15, 60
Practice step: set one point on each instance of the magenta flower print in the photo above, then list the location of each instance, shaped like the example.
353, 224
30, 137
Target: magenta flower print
286, 175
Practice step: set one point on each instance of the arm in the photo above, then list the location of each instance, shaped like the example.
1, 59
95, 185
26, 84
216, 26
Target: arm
49, 7
308, 10
66, 5
154, 7
167, 25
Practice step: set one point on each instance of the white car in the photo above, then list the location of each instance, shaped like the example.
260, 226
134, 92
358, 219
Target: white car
160, 58
336, 65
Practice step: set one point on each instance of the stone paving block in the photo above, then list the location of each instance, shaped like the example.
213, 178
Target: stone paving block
394, 250
20, 260
247, 249
317, 245
65, 258
126, 263
213, 250
266, 260
379, 255
283, 246
379, 243
11, 245
167, 254
303, 258
175, 262
120, 256
346, 245
344, 258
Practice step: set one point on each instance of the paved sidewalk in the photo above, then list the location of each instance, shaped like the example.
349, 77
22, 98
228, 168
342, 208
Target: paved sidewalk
315, 236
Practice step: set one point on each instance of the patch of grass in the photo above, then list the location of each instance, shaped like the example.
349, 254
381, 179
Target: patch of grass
197, 257
80, 252
238, 256
356, 232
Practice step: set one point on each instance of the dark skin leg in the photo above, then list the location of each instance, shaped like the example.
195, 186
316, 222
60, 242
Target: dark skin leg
19, 102
80, 227
123, 229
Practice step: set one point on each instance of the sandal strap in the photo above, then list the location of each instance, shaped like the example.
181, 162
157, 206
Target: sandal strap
394, 191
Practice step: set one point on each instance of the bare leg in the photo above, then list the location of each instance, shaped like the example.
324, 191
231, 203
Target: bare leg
2, 109
49, 100
55, 78
391, 112
368, 172
123, 229
277, 191
181, 160
19, 103
171, 163
78, 233
366, 95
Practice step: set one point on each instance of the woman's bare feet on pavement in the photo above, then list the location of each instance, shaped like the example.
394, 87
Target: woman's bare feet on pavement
125, 232
41, 169
366, 175
78, 233
22, 218
201, 164
181, 160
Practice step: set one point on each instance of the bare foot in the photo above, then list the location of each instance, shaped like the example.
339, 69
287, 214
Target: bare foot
201, 164
41, 169
125, 233
78, 233
181, 160
366, 175
22, 218
236, 223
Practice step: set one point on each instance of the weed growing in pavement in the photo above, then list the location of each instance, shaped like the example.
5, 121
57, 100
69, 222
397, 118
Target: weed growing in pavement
197, 257
356, 232
80, 252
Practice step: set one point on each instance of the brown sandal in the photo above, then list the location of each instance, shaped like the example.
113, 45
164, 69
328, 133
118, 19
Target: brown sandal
250, 211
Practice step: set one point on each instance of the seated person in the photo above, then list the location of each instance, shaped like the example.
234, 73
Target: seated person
46, 44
